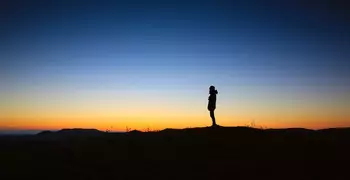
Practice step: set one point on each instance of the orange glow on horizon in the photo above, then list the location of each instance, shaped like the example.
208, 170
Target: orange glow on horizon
120, 124
100, 111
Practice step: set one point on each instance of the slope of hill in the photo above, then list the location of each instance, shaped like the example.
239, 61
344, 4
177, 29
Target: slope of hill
194, 153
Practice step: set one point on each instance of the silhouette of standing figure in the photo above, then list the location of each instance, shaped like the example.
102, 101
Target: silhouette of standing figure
212, 103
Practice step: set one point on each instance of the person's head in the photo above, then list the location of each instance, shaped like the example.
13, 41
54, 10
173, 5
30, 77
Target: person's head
212, 90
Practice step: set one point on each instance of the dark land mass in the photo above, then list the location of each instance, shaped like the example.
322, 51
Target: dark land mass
196, 153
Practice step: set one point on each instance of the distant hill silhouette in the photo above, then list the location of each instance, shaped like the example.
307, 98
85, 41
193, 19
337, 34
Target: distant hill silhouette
199, 130
79, 131
44, 132
75, 132
134, 131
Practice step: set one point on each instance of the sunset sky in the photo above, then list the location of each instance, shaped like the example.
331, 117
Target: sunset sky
149, 64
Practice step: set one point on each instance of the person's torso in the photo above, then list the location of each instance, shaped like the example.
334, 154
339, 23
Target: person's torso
212, 99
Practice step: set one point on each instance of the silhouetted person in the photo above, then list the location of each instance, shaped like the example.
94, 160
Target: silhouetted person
212, 103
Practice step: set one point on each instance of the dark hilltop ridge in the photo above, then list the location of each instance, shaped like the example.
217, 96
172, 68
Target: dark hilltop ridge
191, 153
75, 131
81, 131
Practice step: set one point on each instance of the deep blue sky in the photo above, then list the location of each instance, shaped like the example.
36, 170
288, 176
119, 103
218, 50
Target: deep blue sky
312, 36
175, 46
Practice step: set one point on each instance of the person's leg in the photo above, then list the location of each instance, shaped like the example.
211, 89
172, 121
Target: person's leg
212, 117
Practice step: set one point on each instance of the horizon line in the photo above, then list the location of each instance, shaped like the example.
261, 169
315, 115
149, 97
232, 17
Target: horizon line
35, 131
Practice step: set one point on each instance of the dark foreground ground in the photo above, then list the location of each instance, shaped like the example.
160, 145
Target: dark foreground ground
199, 153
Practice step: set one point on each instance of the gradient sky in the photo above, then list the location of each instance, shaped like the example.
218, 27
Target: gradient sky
149, 64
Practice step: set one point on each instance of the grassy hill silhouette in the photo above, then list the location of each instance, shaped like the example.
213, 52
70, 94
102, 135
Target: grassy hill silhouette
72, 132
191, 153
